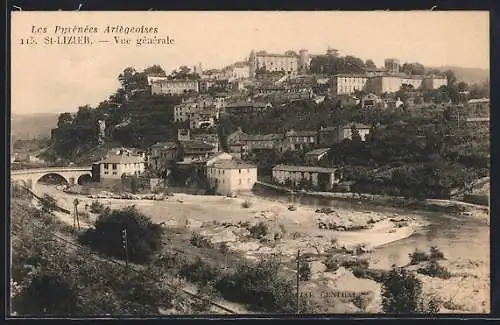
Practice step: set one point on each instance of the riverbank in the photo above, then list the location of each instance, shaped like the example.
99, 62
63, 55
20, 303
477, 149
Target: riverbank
477, 211
392, 231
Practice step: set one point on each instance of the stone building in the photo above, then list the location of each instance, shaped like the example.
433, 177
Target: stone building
319, 178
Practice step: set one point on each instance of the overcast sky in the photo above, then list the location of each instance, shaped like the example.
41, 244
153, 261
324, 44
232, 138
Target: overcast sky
50, 79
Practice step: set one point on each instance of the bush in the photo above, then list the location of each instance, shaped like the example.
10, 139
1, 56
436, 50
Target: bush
259, 286
143, 236
246, 204
417, 257
259, 230
48, 203
362, 300
84, 216
402, 294
355, 263
332, 264
304, 271
436, 254
96, 207
199, 241
198, 272
433, 269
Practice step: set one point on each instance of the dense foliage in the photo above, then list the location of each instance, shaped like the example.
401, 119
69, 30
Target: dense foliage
402, 294
54, 278
143, 236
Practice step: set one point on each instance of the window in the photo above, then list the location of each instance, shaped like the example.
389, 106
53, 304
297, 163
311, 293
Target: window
114, 173
115, 166
106, 166
239, 181
106, 173
239, 171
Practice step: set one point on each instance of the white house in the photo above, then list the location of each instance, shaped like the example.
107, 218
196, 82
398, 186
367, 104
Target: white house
114, 166
230, 176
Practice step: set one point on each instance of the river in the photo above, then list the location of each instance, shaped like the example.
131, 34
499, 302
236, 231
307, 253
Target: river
459, 237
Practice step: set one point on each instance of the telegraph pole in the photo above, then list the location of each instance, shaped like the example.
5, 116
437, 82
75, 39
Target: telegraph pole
76, 202
298, 281
125, 246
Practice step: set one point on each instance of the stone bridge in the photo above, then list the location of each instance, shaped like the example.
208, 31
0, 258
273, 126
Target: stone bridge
69, 175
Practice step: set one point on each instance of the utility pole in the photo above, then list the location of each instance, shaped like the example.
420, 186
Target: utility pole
298, 281
125, 246
76, 218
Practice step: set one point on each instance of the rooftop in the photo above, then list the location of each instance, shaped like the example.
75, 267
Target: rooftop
261, 137
286, 55
319, 151
359, 75
246, 104
165, 80
121, 159
478, 100
309, 169
232, 164
192, 144
357, 126
328, 128
164, 145
293, 133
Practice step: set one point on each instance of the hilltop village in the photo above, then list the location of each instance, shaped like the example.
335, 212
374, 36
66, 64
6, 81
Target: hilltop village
319, 183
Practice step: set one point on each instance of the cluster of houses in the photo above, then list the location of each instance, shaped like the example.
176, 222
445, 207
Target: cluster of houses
240, 93
295, 140
226, 173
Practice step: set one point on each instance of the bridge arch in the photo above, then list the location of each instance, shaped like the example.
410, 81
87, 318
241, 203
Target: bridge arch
53, 178
84, 179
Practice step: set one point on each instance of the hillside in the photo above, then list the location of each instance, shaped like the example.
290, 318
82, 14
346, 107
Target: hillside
469, 75
33, 125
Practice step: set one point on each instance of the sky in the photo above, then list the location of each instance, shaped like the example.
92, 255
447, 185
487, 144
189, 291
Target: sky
60, 78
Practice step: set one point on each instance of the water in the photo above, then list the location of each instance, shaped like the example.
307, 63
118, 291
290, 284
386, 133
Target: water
459, 237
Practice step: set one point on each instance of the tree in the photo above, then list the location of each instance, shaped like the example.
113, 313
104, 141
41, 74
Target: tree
480, 90
413, 68
183, 73
133, 184
450, 75
355, 136
49, 203
462, 86
64, 120
56, 279
144, 236
370, 64
402, 294
155, 70
126, 78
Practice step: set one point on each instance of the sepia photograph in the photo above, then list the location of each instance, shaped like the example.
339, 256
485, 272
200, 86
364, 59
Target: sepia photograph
249, 163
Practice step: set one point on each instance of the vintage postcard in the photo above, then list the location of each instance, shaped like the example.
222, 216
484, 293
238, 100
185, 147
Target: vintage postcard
187, 163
